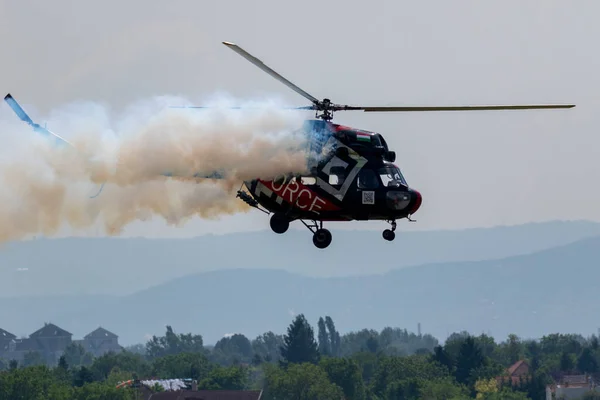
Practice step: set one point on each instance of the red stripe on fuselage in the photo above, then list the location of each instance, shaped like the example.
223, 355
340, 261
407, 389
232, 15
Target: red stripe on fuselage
300, 196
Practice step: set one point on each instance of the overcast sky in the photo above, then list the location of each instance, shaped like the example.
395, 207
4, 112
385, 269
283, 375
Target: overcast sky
473, 169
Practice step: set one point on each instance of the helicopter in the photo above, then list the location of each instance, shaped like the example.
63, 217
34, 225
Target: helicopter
354, 177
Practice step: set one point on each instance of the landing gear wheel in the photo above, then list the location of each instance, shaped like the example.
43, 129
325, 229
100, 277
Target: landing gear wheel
322, 238
389, 235
279, 223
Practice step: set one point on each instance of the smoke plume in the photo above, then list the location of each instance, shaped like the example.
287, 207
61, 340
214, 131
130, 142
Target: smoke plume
45, 186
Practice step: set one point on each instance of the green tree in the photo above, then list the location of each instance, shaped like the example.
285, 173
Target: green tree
192, 365
443, 389
83, 376
368, 363
299, 343
30, 383
487, 344
441, 356
406, 374
117, 375
225, 378
334, 337
124, 360
100, 391
324, 343
345, 373
405, 389
536, 387
372, 344
469, 358
61, 372
567, 364
514, 349
172, 343
236, 345
586, 362
33, 358
301, 381
594, 344
354, 342
534, 351
75, 355
268, 346
506, 394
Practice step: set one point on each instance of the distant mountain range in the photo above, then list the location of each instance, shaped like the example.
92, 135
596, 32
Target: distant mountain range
551, 290
116, 266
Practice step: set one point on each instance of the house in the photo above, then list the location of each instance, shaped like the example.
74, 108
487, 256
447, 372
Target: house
51, 337
5, 338
570, 387
49, 341
100, 341
515, 374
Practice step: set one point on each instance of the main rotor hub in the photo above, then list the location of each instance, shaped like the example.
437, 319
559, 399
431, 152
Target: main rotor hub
326, 107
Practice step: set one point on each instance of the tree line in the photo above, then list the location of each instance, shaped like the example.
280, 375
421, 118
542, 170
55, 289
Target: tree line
301, 364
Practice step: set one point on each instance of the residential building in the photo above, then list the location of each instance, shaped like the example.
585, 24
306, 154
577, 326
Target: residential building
515, 374
100, 341
5, 339
570, 387
50, 342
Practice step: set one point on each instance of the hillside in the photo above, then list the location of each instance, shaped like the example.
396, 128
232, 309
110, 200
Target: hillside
114, 266
549, 291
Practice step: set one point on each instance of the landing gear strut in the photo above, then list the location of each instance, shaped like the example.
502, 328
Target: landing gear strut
388, 234
321, 237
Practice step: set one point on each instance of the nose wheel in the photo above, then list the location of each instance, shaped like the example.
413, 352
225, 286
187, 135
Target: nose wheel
390, 234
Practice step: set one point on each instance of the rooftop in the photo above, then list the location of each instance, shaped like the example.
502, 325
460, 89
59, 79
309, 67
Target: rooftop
513, 368
100, 333
6, 335
50, 330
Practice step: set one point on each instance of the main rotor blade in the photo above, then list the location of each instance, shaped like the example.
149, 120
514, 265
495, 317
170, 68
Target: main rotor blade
268, 70
246, 107
454, 108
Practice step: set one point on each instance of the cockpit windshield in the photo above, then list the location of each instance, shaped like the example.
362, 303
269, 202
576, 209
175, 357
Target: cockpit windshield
391, 176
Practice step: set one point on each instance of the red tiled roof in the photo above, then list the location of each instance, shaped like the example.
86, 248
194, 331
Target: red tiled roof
515, 366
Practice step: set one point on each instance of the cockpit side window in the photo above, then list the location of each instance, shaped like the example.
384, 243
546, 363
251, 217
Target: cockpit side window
391, 176
367, 179
337, 176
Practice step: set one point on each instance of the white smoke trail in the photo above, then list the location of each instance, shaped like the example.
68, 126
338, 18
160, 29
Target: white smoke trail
45, 186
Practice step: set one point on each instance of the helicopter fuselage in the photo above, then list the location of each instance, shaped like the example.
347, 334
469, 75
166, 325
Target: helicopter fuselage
353, 179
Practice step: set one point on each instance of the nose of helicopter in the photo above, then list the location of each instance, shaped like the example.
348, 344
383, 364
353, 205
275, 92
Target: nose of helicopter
416, 200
